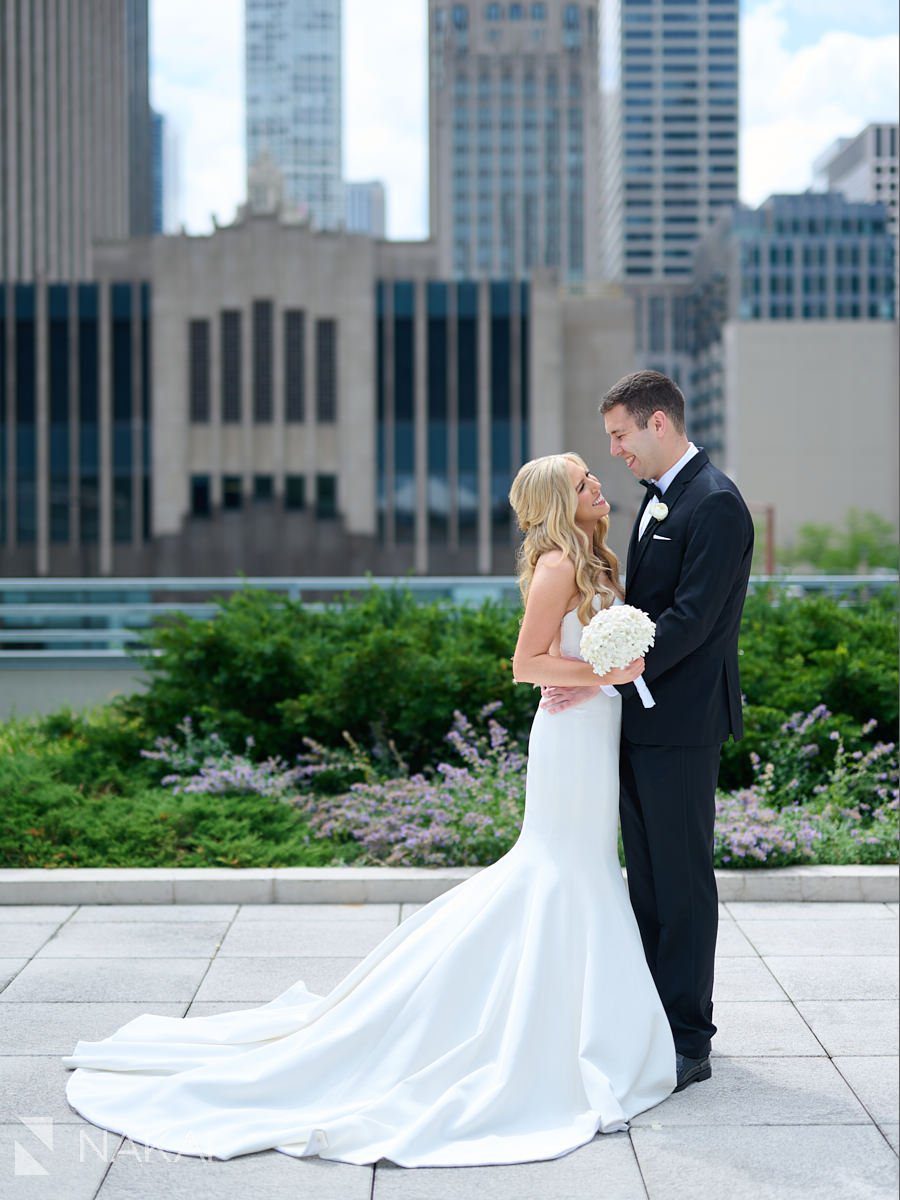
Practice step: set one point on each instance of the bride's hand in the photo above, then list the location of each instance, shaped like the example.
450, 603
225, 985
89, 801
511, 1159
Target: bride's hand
558, 699
620, 675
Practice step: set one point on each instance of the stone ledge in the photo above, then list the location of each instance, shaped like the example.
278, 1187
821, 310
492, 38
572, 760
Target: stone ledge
383, 885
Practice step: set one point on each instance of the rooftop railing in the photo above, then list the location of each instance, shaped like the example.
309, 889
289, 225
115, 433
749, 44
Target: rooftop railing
57, 622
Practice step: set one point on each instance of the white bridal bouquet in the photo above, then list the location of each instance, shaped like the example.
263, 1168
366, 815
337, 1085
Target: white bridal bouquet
613, 638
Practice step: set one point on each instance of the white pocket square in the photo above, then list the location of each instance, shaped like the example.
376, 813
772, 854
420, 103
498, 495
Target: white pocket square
658, 537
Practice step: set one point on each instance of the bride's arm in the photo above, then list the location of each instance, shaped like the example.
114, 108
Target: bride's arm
549, 593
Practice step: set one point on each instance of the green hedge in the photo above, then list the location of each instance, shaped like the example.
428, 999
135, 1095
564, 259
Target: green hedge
383, 667
389, 670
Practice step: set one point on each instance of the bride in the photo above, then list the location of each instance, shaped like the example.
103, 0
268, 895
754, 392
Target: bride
509, 1020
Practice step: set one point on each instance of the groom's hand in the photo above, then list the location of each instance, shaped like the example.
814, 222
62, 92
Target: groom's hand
558, 699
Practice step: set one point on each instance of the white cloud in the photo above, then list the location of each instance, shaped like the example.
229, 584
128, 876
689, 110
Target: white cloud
386, 106
810, 17
795, 103
197, 82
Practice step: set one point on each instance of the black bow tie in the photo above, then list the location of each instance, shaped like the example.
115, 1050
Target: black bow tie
652, 488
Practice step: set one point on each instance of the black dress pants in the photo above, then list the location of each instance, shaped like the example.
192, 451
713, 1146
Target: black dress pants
668, 806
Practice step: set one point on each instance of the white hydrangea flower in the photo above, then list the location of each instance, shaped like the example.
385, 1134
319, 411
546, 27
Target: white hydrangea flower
616, 636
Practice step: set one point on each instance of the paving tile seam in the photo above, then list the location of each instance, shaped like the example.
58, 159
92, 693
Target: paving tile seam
862, 1123
112, 1159
810, 906
790, 1054
211, 959
859, 1098
637, 1163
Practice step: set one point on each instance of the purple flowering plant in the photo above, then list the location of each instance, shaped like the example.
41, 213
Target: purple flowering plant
204, 764
850, 814
458, 814
468, 809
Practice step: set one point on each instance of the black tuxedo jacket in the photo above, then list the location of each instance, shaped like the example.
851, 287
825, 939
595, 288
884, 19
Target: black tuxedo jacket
689, 572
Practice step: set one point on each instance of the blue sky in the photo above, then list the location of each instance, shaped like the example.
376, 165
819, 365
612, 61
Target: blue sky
811, 71
808, 20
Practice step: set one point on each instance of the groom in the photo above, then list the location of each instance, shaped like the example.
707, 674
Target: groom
688, 565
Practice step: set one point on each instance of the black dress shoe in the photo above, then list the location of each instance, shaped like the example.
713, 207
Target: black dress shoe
691, 1070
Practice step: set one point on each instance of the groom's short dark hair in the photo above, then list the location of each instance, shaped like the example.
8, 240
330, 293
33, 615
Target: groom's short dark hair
642, 394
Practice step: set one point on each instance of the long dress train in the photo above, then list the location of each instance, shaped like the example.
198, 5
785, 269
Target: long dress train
509, 1020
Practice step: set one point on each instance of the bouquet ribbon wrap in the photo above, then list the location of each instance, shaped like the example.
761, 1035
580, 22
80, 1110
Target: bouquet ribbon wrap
642, 690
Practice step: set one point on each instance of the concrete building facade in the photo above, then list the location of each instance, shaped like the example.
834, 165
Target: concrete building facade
74, 133
810, 420
795, 375
798, 259
865, 168
514, 139
293, 100
280, 400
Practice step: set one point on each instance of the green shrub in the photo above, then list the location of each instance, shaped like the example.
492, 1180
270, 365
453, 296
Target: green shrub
52, 823
799, 653
383, 667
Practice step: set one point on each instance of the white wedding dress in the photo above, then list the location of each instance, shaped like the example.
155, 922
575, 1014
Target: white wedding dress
509, 1020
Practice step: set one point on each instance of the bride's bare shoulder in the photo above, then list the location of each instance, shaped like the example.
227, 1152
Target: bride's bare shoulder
553, 581
555, 562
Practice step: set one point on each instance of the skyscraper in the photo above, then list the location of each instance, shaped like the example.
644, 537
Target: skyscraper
140, 136
864, 168
159, 171
293, 73
365, 208
669, 98
74, 132
513, 138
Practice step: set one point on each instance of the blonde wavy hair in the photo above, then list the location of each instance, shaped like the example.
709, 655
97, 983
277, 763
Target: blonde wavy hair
545, 503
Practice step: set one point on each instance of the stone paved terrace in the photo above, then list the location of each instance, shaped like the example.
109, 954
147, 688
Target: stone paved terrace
803, 1101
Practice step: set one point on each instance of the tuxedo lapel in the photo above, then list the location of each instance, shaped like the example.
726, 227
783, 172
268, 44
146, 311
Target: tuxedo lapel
633, 540
637, 547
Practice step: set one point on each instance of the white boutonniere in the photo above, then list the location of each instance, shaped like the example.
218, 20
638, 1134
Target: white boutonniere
658, 510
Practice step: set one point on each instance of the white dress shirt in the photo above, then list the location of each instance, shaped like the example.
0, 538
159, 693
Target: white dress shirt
663, 482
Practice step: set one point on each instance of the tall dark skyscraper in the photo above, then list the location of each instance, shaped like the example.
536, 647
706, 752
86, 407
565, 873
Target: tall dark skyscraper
140, 166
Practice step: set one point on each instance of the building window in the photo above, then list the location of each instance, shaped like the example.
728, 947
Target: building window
326, 496
231, 366
262, 361
295, 492
122, 464
58, 383
326, 370
294, 365
198, 385
200, 496
25, 434
232, 495
460, 16
88, 409
263, 488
